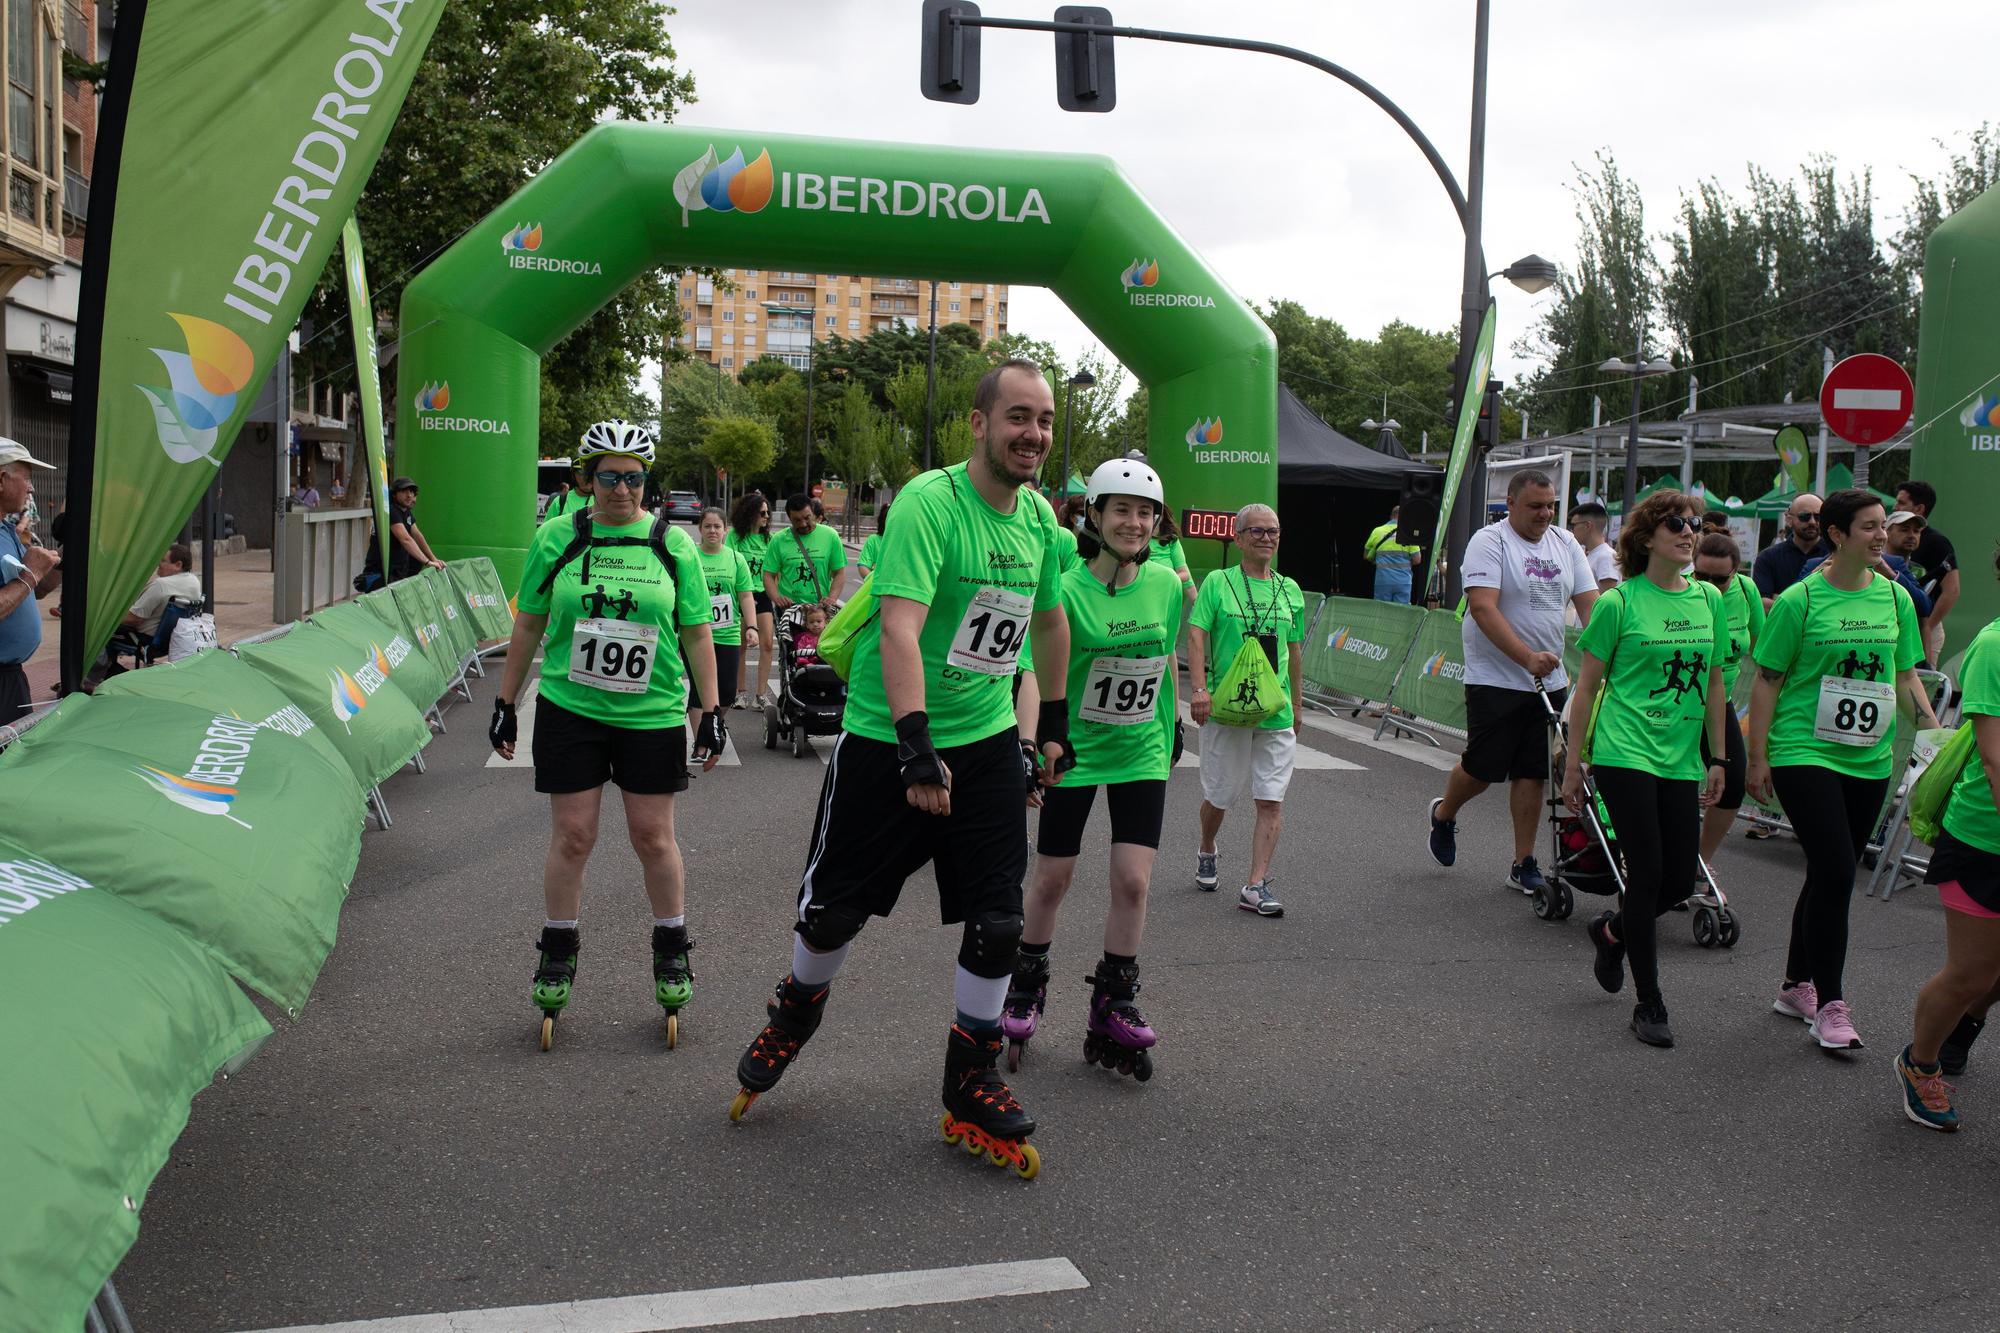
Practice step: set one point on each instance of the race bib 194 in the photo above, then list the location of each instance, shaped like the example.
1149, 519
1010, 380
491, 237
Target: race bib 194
613, 655
989, 637
1121, 691
1854, 712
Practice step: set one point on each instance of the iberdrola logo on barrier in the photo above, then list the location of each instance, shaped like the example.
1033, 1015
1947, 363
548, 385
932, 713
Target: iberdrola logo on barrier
434, 399
525, 237
350, 693
728, 186
209, 787
1344, 640
1205, 434
520, 243
201, 390
1982, 417
1441, 666
1142, 275
1205, 431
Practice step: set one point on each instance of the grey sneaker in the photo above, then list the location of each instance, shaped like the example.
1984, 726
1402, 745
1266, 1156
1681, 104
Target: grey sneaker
1258, 898
1204, 870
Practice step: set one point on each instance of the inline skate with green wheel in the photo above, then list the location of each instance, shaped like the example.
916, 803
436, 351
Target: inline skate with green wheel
556, 975
673, 978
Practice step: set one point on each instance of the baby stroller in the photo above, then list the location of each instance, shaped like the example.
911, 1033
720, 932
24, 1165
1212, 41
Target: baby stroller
811, 695
1584, 855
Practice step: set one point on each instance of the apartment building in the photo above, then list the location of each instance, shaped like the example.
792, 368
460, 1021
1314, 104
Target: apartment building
771, 312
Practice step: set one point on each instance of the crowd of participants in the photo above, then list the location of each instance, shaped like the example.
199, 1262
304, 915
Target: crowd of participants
1006, 657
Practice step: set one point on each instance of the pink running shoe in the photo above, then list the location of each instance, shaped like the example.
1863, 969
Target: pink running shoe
1800, 1002
1834, 1027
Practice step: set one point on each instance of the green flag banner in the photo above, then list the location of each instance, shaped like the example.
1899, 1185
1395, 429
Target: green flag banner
459, 634
115, 1020
1794, 460
243, 837
408, 667
1432, 686
241, 136
478, 583
368, 375
406, 603
347, 693
222, 683
1470, 399
1358, 646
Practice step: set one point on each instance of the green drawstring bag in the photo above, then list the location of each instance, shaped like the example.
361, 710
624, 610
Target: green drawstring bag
1932, 793
836, 643
1248, 692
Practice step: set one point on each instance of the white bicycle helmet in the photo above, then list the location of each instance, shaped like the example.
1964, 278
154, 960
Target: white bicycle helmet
616, 436
1123, 476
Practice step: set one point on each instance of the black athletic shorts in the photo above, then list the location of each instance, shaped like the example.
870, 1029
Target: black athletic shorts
1977, 871
867, 838
577, 753
1138, 809
1507, 733
762, 601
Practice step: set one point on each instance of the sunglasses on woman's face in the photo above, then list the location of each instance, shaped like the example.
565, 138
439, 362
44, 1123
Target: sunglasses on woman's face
1719, 580
1680, 523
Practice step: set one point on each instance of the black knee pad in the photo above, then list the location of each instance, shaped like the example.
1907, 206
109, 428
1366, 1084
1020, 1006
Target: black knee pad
992, 943
826, 929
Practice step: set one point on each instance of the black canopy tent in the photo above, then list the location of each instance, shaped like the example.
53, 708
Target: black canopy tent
1332, 492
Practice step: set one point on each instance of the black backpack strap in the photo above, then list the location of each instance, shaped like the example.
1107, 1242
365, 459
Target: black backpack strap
657, 539
579, 545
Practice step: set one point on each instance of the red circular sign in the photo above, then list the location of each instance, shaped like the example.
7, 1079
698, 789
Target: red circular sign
1866, 399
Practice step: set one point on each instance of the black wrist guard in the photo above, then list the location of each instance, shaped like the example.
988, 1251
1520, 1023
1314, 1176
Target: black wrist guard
1052, 728
1180, 742
711, 735
503, 729
919, 758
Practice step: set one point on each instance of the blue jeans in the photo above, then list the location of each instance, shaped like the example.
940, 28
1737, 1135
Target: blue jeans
1392, 585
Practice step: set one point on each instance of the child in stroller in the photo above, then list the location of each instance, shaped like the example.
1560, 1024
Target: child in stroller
811, 695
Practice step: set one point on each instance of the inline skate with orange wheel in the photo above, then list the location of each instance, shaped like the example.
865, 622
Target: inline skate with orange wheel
980, 1112
792, 1016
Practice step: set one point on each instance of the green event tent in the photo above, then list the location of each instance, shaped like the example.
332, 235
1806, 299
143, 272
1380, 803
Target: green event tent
125, 1021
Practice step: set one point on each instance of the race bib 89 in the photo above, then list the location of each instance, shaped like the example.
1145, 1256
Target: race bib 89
1854, 712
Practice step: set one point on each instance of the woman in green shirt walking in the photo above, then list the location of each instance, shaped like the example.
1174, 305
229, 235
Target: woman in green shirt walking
1648, 696
1717, 562
1838, 655
731, 593
749, 534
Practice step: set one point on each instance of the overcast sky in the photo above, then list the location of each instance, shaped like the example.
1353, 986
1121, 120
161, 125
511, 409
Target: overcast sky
1292, 184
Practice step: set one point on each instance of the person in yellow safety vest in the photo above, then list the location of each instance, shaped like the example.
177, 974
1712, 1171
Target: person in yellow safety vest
1394, 561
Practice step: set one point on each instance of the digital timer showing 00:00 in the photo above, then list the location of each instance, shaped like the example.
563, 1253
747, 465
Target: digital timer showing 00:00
1214, 524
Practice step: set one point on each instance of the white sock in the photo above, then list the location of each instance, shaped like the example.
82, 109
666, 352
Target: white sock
816, 969
554, 924
670, 921
980, 998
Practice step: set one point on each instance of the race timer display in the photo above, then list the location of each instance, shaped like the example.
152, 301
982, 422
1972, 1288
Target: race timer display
1214, 524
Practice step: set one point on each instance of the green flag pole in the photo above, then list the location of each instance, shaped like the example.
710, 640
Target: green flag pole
1461, 440
361, 313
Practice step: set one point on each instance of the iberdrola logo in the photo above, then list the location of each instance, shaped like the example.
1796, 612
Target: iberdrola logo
1204, 432
204, 798
202, 385
1435, 666
1981, 413
348, 700
434, 397
1141, 273
728, 186
381, 658
527, 237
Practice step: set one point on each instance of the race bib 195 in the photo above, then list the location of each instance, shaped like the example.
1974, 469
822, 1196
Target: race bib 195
1121, 691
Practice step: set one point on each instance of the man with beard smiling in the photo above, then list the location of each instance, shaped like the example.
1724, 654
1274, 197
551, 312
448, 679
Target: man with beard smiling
927, 769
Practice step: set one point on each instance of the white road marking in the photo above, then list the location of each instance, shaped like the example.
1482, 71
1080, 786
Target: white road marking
1414, 751
1305, 757
741, 1305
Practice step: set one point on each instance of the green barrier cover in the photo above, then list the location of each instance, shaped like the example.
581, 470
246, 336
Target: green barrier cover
407, 605
1432, 687
1310, 603
372, 723
1358, 646
478, 584
391, 649
458, 629
114, 1022
222, 683
243, 837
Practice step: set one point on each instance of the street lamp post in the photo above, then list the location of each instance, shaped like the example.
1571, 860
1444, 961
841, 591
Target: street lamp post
1385, 440
1083, 379
1639, 368
930, 382
812, 341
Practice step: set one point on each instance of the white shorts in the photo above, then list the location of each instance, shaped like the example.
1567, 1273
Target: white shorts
1232, 755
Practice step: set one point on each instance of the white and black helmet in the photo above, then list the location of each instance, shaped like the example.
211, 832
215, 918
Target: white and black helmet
616, 436
1124, 476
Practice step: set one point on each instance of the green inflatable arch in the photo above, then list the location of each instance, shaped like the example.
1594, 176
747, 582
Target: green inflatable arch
627, 198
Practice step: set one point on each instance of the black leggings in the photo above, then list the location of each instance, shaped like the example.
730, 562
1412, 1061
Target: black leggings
1734, 758
1138, 812
725, 678
1833, 814
1657, 822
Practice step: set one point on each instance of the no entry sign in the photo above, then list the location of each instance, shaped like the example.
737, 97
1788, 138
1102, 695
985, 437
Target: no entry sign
1866, 399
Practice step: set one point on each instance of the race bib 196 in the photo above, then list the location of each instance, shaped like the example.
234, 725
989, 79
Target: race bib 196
613, 655
1854, 712
1121, 691
989, 638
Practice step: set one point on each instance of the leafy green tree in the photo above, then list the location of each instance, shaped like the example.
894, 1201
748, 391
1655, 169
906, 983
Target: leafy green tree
738, 446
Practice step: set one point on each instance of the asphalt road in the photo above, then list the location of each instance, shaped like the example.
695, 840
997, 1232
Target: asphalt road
1403, 1105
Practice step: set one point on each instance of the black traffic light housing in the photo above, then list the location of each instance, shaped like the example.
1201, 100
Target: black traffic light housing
1085, 79
950, 67
1486, 433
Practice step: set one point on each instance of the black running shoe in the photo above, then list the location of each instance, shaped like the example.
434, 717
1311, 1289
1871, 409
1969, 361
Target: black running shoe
1649, 1024
1443, 837
1959, 1044
1609, 967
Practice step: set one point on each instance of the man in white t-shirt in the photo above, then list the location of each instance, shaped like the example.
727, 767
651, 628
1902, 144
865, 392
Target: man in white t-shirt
1518, 576
174, 577
1588, 522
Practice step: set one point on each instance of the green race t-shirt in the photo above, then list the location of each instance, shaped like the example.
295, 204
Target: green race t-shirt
727, 574
1121, 674
1066, 560
1231, 606
1840, 652
613, 650
1659, 647
566, 504
751, 548
1969, 816
1171, 556
982, 573
1744, 606
871, 551
790, 557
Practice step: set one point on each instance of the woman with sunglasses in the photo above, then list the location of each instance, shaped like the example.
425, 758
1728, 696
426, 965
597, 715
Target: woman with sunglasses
749, 534
1653, 650
731, 598
612, 600
1838, 656
1716, 562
